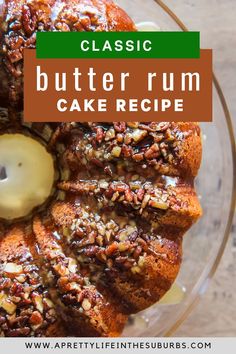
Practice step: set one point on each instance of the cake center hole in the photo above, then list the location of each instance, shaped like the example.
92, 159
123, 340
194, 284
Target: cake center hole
26, 175
3, 173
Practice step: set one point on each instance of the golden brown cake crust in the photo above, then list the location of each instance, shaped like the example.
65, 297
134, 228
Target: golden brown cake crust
112, 244
109, 243
26, 308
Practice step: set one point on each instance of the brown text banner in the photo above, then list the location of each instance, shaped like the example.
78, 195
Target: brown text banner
69, 90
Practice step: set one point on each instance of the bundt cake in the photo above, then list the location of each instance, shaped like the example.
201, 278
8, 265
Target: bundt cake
107, 242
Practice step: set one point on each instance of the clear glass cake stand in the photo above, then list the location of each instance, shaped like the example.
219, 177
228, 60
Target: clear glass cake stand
205, 242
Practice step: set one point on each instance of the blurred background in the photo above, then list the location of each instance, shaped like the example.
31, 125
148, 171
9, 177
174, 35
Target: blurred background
215, 315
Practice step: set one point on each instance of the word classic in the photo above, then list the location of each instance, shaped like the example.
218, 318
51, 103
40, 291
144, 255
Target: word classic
119, 46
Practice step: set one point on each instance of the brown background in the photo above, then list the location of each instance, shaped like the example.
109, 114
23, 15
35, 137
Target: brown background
42, 106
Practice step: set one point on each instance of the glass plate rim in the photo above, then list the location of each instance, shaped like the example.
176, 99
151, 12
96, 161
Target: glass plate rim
206, 277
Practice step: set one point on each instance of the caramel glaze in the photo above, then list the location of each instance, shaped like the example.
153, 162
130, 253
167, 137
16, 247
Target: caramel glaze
20, 20
109, 244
